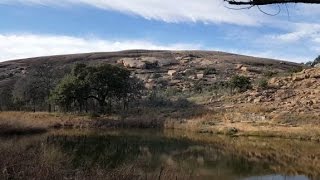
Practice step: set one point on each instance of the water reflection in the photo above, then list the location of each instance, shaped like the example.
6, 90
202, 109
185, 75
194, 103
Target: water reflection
277, 177
138, 154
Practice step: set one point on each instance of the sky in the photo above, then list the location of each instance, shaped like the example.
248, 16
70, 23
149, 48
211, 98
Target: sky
31, 28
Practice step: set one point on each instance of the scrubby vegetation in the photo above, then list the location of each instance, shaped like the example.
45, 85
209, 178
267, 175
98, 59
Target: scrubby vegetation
198, 95
262, 83
103, 86
85, 88
240, 83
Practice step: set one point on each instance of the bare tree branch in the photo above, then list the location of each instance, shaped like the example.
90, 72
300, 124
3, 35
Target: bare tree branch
267, 2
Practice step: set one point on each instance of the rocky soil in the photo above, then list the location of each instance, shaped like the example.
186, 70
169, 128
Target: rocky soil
158, 69
296, 94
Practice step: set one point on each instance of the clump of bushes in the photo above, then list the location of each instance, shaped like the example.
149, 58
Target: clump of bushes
219, 87
295, 69
198, 87
182, 103
172, 91
209, 71
157, 99
240, 83
262, 83
160, 99
269, 74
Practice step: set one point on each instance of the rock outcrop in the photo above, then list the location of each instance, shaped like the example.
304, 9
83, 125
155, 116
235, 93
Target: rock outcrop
298, 93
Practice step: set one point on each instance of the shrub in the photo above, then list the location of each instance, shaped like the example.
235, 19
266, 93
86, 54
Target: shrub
269, 74
157, 75
156, 99
198, 87
182, 103
172, 91
241, 83
94, 115
295, 69
209, 70
262, 83
219, 87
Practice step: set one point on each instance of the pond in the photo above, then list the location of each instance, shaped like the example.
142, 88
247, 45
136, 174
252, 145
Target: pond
155, 154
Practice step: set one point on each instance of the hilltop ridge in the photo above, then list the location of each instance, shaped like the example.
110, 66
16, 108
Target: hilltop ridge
176, 68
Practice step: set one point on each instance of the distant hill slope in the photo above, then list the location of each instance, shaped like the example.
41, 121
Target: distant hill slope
180, 69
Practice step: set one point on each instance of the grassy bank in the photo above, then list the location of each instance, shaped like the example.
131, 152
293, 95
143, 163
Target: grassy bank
30, 123
233, 123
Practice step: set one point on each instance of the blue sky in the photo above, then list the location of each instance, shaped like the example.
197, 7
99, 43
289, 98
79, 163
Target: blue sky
30, 28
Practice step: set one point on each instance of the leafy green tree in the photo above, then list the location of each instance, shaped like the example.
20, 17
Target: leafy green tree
133, 91
102, 84
106, 83
65, 94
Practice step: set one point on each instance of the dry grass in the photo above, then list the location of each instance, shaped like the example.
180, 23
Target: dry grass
236, 123
242, 123
293, 118
14, 123
30, 123
255, 108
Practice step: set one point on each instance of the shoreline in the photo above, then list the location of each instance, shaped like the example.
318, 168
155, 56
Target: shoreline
28, 123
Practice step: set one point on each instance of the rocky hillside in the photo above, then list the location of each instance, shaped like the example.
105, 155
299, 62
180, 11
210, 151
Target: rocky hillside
296, 92
178, 69
289, 97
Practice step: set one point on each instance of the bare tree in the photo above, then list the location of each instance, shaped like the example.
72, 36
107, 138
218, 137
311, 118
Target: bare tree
35, 88
267, 2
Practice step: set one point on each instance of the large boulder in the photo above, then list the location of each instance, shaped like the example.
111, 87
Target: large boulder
239, 66
172, 73
206, 62
149, 59
132, 63
166, 62
200, 76
146, 62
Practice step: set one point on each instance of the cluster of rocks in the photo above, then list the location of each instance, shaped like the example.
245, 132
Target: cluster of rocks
8, 72
168, 69
299, 92
179, 72
146, 62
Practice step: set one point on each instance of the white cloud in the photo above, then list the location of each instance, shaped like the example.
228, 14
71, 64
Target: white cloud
286, 39
15, 46
307, 10
301, 39
207, 11
300, 31
271, 54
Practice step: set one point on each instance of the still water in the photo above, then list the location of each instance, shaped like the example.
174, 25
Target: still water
153, 154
